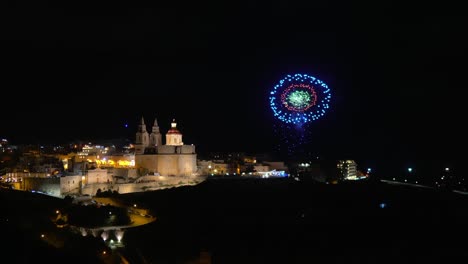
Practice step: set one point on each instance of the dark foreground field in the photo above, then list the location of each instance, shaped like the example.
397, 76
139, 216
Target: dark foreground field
29, 235
254, 221
285, 221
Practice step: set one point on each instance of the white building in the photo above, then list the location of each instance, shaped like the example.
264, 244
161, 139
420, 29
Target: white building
172, 159
98, 176
347, 169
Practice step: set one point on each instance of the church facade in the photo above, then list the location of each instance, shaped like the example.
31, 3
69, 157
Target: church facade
170, 159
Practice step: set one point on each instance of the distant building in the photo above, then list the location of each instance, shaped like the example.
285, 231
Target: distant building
71, 184
153, 166
276, 165
172, 159
317, 170
328, 171
98, 176
347, 170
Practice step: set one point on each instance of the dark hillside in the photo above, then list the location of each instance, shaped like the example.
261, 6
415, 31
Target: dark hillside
285, 221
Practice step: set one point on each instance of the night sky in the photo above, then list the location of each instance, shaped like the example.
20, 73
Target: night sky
397, 74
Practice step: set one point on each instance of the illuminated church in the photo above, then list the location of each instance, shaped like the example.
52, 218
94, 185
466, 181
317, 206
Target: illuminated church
172, 159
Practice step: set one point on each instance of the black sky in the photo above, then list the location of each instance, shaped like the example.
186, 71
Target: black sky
396, 72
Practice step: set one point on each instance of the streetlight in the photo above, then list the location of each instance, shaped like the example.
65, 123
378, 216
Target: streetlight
408, 176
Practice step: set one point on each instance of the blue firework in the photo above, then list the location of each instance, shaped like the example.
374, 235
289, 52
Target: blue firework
299, 99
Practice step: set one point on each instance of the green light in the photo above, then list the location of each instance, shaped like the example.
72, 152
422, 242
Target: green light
299, 99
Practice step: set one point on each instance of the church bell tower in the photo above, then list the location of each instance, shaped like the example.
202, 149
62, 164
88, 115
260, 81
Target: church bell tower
142, 138
155, 136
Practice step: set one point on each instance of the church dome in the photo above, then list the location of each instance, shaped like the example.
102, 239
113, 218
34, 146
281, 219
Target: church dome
174, 129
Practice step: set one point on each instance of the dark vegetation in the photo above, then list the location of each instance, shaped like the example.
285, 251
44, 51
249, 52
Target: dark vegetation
29, 234
285, 221
254, 221
96, 216
107, 193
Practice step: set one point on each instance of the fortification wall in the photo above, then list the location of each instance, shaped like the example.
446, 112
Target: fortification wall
161, 183
71, 185
49, 186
